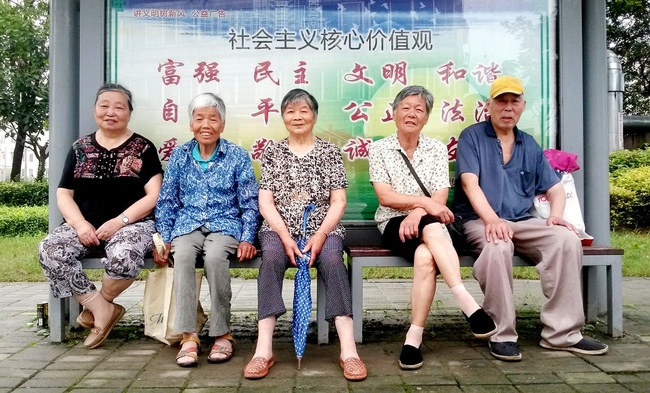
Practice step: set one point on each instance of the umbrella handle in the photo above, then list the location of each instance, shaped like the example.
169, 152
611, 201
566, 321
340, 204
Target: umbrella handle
308, 210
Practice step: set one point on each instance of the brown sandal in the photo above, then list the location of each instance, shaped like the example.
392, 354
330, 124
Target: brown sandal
220, 350
258, 367
191, 353
353, 369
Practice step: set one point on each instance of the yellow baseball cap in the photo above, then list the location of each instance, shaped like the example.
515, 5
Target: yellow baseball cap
506, 84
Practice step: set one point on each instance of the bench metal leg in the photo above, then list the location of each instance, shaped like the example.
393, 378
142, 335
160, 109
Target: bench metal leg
75, 310
590, 293
355, 271
615, 298
57, 312
614, 291
323, 325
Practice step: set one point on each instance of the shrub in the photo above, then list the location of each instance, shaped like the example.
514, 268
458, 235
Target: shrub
26, 220
23, 194
622, 160
630, 198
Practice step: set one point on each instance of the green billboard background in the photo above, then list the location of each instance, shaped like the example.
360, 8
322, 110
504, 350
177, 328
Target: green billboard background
352, 56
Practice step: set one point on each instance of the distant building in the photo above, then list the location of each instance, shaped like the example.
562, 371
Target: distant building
29, 165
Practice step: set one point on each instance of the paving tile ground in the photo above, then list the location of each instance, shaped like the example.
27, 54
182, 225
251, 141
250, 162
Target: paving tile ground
454, 360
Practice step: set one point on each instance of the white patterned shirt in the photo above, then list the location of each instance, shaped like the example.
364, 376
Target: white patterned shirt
387, 166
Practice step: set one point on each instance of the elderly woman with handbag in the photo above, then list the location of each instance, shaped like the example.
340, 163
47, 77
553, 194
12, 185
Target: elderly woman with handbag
409, 172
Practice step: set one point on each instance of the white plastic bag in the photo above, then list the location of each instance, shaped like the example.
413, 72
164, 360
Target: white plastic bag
572, 212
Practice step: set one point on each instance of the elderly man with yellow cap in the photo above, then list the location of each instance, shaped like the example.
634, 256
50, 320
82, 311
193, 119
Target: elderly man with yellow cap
499, 170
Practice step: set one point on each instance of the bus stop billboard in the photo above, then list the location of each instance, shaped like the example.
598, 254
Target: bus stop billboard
353, 56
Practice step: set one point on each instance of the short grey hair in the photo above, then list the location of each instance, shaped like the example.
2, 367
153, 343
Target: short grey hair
414, 90
299, 95
107, 87
208, 100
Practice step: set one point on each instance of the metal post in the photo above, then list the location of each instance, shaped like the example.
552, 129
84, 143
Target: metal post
64, 99
615, 90
596, 140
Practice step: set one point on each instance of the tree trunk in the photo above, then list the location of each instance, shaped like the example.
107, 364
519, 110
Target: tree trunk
40, 175
42, 157
18, 156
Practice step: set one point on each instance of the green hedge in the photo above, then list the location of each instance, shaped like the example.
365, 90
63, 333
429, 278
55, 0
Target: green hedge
630, 198
26, 220
623, 160
23, 194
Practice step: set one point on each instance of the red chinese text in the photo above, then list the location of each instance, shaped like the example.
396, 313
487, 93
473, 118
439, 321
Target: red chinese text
170, 77
166, 149
357, 148
265, 107
170, 111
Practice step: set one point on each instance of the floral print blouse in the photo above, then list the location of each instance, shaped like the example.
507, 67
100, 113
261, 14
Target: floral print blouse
298, 181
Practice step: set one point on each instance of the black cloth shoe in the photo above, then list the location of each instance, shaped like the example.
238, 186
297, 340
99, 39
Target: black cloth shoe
481, 324
586, 346
410, 358
507, 351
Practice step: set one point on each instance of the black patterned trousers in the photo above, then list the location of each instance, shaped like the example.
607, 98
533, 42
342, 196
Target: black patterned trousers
59, 254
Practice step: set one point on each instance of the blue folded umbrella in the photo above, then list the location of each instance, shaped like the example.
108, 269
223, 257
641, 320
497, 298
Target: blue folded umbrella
302, 293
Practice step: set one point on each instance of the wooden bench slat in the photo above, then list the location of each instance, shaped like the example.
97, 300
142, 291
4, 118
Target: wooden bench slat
373, 251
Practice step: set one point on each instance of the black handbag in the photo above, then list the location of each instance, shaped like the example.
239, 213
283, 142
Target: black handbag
455, 229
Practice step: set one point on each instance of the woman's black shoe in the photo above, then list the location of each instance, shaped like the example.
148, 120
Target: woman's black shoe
481, 324
410, 358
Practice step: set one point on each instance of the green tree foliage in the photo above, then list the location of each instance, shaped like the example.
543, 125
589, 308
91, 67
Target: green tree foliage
628, 35
24, 66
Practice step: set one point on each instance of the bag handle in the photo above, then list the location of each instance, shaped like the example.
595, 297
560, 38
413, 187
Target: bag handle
415, 175
157, 243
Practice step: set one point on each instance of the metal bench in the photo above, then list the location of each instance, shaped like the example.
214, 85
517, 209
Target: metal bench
594, 256
59, 309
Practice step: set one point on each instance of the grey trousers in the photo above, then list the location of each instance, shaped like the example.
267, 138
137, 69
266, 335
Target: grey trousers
214, 249
557, 253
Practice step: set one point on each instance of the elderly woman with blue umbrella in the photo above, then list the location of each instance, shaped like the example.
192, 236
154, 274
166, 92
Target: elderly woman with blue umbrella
297, 171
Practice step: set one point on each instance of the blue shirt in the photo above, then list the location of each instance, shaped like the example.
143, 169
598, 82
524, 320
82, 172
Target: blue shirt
510, 188
223, 197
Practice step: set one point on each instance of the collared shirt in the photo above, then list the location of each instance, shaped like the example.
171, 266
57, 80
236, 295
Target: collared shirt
223, 197
298, 181
386, 165
197, 155
510, 187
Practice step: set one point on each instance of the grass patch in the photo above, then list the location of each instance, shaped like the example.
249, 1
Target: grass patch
20, 261
636, 243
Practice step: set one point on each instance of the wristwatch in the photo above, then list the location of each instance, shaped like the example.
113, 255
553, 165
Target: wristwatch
125, 219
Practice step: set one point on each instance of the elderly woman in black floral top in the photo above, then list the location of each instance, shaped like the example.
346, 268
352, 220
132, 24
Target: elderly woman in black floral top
300, 170
108, 189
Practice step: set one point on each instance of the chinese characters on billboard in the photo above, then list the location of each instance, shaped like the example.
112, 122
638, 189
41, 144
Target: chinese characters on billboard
353, 56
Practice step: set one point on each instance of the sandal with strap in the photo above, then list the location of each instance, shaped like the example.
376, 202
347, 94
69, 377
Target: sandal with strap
219, 353
191, 353
353, 369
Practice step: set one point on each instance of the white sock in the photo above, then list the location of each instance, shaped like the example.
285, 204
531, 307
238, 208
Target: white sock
414, 336
465, 301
